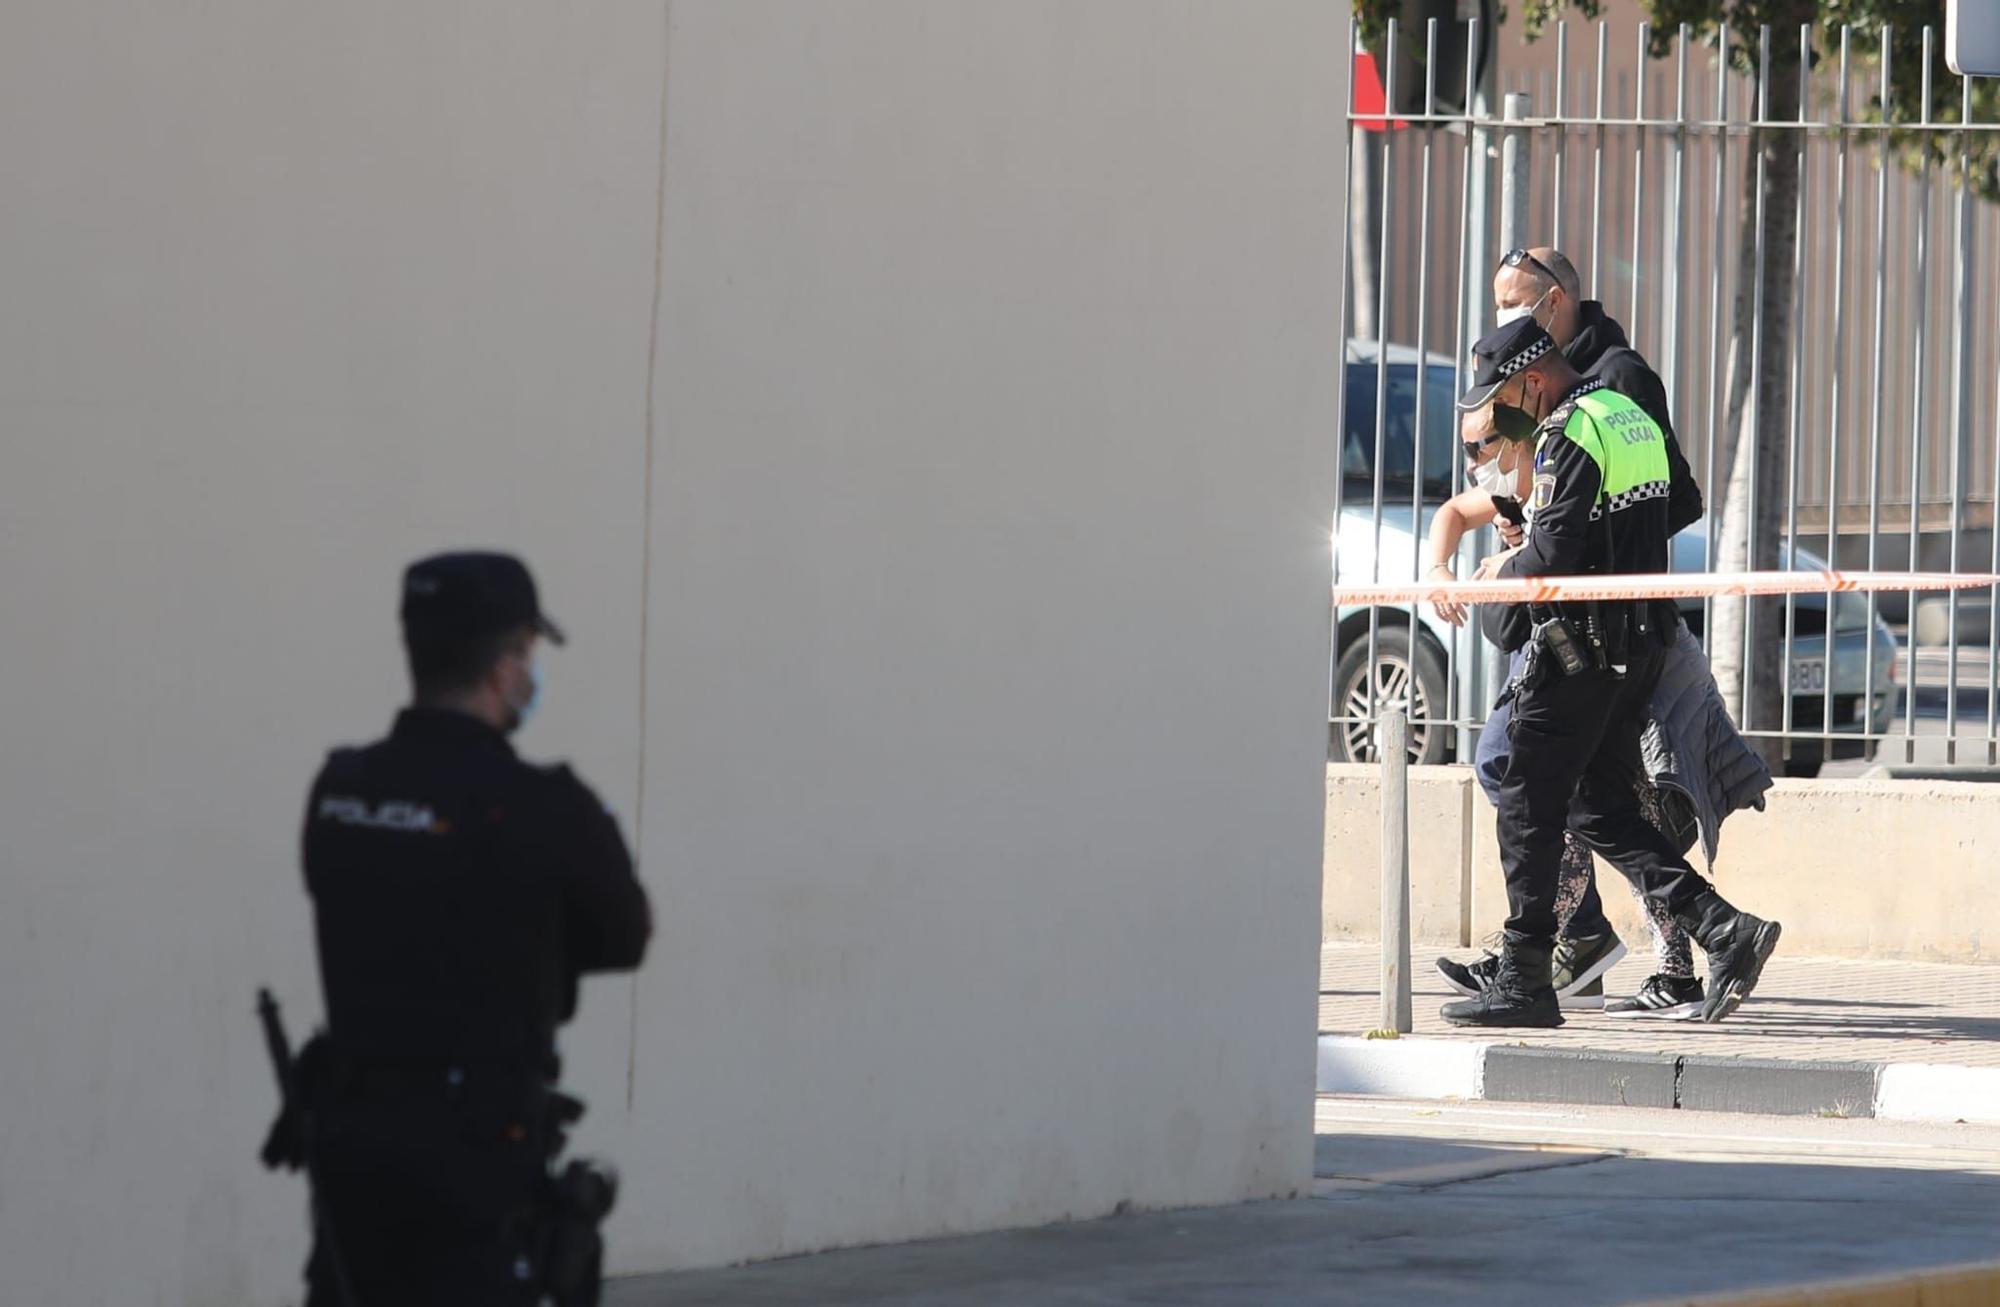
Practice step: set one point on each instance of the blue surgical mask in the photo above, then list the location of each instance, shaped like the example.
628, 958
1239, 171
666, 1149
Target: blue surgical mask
526, 708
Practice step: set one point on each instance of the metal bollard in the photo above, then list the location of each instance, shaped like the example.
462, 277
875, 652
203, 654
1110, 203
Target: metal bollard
1394, 735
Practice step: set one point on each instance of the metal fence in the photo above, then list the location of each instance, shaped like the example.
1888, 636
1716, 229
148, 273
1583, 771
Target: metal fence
1634, 167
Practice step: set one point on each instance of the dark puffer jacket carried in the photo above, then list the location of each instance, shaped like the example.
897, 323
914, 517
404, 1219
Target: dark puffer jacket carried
1692, 752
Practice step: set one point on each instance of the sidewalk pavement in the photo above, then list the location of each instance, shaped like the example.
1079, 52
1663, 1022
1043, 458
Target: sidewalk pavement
1913, 1040
1470, 1205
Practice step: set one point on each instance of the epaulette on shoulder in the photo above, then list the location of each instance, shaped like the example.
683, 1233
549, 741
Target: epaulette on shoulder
1563, 411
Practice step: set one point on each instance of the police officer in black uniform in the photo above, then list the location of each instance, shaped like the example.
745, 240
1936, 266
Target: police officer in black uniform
458, 893
1599, 505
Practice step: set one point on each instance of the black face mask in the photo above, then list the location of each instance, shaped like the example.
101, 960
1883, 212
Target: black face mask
1513, 423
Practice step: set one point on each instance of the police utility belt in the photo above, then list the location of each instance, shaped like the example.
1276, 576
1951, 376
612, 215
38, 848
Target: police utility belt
573, 1202
1569, 640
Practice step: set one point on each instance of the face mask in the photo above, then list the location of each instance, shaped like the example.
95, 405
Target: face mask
1513, 423
1515, 314
1488, 477
526, 708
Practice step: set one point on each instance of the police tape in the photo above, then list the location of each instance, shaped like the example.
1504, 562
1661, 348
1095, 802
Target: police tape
1673, 585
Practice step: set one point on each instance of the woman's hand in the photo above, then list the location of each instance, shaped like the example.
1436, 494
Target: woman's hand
1448, 610
1489, 569
1512, 534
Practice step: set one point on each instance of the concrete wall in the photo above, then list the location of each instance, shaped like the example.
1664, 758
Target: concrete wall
1442, 811
926, 449
1854, 868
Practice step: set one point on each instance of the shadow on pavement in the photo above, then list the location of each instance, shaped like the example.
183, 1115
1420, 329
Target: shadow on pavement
1594, 1229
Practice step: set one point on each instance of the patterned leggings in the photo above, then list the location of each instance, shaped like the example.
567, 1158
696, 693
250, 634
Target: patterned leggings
1671, 951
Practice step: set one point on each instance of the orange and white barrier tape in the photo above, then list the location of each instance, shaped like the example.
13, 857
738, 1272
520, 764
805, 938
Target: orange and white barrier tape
1665, 585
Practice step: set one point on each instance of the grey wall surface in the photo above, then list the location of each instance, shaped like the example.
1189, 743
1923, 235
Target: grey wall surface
928, 450
292, 294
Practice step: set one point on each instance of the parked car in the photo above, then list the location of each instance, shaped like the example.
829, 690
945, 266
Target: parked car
1417, 658
1441, 674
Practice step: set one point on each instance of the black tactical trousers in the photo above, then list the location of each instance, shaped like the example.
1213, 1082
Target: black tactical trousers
424, 1199
1574, 765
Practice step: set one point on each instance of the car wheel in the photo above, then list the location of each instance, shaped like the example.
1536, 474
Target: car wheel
1414, 682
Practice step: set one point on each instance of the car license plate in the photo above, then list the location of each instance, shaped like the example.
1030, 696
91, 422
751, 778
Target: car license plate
1808, 675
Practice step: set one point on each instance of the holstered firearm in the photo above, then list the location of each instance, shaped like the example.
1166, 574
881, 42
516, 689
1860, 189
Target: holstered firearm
574, 1203
285, 1145
574, 1206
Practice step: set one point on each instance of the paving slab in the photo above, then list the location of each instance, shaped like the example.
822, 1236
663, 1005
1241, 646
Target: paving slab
1804, 1010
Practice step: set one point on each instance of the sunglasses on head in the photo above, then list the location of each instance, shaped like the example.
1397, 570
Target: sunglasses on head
1515, 258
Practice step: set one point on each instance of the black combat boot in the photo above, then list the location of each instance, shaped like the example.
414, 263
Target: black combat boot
1738, 945
1519, 995
1577, 972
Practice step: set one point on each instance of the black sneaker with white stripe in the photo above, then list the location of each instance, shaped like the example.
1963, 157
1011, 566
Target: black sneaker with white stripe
1663, 998
1471, 978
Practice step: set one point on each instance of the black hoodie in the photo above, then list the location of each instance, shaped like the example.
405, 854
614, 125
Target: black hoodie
1602, 352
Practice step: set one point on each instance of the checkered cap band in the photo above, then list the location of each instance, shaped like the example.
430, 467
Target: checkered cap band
1526, 358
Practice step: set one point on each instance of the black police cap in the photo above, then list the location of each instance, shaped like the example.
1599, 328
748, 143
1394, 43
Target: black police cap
1500, 355
467, 596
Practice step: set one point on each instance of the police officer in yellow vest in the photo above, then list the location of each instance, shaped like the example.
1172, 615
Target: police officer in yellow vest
1599, 506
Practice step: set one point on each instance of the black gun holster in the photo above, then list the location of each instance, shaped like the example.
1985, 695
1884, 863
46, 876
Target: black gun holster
285, 1144
575, 1201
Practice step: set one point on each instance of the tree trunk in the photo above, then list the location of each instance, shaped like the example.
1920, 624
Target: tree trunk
1749, 665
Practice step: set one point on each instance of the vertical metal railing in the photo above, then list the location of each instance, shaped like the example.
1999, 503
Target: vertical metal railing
1456, 696
1875, 421
1961, 404
1418, 430
1597, 276
1710, 485
1836, 379
1561, 135
1387, 193
1638, 179
1920, 289
1676, 219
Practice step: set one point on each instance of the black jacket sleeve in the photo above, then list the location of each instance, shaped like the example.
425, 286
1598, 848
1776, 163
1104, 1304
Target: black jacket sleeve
1567, 481
608, 920
1627, 373
1506, 626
